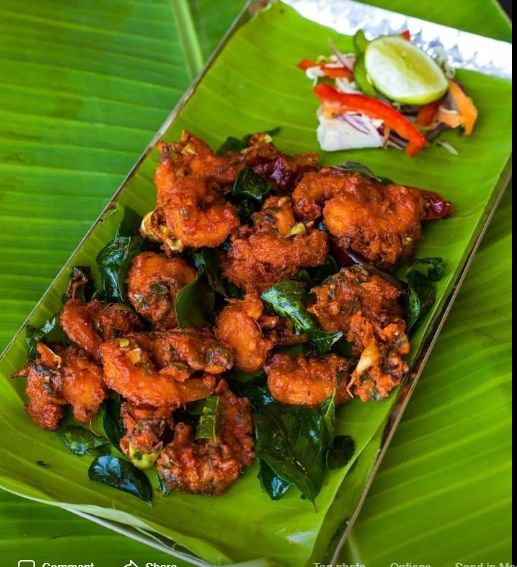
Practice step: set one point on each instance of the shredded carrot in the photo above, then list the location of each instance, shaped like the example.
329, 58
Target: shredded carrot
450, 118
465, 107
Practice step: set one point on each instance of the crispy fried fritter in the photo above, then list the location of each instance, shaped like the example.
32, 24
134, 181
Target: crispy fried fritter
83, 385
238, 328
56, 380
365, 306
210, 466
380, 221
267, 161
274, 249
194, 347
282, 170
88, 324
146, 428
78, 322
194, 211
198, 159
153, 284
308, 381
130, 370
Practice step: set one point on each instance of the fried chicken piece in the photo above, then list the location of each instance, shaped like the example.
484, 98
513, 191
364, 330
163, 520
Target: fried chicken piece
57, 380
274, 249
130, 370
238, 328
365, 307
83, 385
198, 159
154, 281
210, 466
146, 428
308, 381
88, 324
191, 180
194, 347
195, 212
380, 221
281, 170
267, 161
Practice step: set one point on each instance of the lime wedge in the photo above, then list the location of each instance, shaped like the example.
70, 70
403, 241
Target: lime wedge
402, 72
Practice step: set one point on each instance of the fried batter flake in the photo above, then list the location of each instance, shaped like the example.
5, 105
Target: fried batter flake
365, 307
273, 249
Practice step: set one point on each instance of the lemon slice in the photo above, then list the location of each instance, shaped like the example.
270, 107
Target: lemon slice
402, 72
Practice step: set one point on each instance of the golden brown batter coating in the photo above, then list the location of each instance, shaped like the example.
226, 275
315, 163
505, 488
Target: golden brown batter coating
130, 370
281, 170
83, 385
194, 347
274, 249
198, 159
308, 381
239, 329
210, 466
380, 221
194, 211
145, 427
154, 281
88, 324
55, 380
365, 307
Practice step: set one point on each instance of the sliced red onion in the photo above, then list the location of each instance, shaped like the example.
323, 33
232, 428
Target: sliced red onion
435, 132
356, 121
345, 60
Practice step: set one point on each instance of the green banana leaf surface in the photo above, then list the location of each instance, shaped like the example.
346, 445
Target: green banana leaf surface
254, 110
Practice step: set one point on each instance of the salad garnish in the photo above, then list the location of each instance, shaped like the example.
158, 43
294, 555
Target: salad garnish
388, 93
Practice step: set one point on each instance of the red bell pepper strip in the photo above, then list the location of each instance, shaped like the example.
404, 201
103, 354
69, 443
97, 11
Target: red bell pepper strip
330, 71
406, 34
427, 113
374, 108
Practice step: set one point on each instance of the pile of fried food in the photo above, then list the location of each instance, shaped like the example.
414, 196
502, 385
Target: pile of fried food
138, 350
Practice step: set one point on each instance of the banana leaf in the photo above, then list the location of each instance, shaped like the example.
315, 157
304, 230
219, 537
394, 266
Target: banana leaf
286, 143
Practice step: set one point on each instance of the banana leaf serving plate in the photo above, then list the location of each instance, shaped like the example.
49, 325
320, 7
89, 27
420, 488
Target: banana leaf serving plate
252, 84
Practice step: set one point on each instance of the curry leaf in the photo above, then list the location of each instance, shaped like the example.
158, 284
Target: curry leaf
273, 484
81, 441
433, 268
208, 411
287, 299
114, 260
249, 185
233, 144
294, 442
323, 341
205, 258
341, 452
36, 335
252, 386
122, 475
316, 276
112, 420
356, 167
420, 298
421, 294
194, 303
